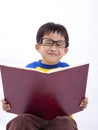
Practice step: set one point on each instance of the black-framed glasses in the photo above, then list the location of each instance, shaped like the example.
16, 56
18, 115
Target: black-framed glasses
50, 42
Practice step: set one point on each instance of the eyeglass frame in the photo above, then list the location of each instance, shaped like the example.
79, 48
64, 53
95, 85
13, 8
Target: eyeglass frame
54, 42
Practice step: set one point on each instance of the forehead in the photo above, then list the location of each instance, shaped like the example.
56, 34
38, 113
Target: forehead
54, 36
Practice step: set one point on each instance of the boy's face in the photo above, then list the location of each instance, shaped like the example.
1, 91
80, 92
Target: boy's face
51, 54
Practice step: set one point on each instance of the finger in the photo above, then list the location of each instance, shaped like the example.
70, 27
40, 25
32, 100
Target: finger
3, 101
83, 105
6, 107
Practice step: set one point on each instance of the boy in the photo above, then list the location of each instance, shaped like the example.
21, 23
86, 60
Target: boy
52, 44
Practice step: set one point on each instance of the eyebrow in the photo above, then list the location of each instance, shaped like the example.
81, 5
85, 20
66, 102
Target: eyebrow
53, 40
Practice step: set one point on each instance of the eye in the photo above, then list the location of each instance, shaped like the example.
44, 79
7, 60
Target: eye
60, 44
47, 42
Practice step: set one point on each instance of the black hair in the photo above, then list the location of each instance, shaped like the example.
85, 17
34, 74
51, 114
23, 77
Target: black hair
52, 27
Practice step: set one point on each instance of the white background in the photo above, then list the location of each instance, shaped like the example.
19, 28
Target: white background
19, 21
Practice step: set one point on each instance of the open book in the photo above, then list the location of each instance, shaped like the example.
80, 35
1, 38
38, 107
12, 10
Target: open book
44, 94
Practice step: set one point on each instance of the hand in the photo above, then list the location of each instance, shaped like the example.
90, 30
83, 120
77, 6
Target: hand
84, 103
5, 105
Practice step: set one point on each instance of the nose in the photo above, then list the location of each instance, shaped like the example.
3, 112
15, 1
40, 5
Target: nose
53, 47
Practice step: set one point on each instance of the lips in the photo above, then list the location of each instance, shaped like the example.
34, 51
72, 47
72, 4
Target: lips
52, 54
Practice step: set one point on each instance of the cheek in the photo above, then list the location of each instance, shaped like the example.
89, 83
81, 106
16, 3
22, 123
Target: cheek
61, 53
43, 51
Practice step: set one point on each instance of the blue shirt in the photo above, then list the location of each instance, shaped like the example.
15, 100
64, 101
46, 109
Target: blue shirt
45, 66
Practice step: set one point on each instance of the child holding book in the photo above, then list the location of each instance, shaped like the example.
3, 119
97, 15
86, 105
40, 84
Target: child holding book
52, 44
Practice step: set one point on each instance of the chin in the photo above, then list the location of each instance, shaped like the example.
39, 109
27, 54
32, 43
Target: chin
52, 63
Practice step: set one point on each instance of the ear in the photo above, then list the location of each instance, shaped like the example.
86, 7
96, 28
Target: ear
65, 51
37, 47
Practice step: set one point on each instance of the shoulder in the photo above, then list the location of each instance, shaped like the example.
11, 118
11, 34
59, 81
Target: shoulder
63, 64
32, 64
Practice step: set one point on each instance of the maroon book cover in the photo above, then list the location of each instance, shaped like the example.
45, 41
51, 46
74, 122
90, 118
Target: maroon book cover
44, 94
